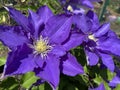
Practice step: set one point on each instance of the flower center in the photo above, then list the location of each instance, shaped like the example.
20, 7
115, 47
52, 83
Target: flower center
69, 8
91, 37
42, 46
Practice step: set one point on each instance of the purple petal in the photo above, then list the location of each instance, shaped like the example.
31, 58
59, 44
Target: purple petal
94, 19
111, 45
100, 87
87, 3
92, 58
111, 33
36, 23
50, 71
70, 66
114, 81
79, 11
44, 13
19, 61
58, 28
58, 51
103, 30
19, 17
107, 61
74, 40
11, 38
39, 61
77, 21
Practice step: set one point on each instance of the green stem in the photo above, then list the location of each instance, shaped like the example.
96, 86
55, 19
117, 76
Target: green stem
103, 10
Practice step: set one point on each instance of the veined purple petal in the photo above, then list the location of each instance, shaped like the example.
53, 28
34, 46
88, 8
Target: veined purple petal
81, 22
44, 13
73, 41
58, 28
111, 45
50, 71
115, 81
93, 18
107, 61
100, 87
36, 23
19, 18
11, 36
19, 61
103, 30
58, 51
92, 58
70, 66
39, 61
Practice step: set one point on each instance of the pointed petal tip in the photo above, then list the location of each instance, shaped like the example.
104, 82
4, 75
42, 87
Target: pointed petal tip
29, 10
6, 8
2, 77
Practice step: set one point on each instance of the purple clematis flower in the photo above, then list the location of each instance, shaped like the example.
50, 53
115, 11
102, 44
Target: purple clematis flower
100, 87
100, 42
39, 44
76, 6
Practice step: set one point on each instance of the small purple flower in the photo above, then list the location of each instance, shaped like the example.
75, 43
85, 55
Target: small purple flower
100, 42
76, 6
100, 87
39, 44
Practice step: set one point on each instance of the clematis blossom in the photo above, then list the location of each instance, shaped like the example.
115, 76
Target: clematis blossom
77, 6
100, 41
38, 44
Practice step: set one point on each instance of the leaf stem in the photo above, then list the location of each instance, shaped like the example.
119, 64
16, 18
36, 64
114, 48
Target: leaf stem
103, 9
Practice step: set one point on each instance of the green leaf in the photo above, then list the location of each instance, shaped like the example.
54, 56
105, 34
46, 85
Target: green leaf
117, 87
107, 74
28, 79
110, 75
106, 86
9, 83
40, 87
98, 79
2, 61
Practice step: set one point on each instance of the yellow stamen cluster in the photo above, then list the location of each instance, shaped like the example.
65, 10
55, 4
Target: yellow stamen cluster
41, 46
